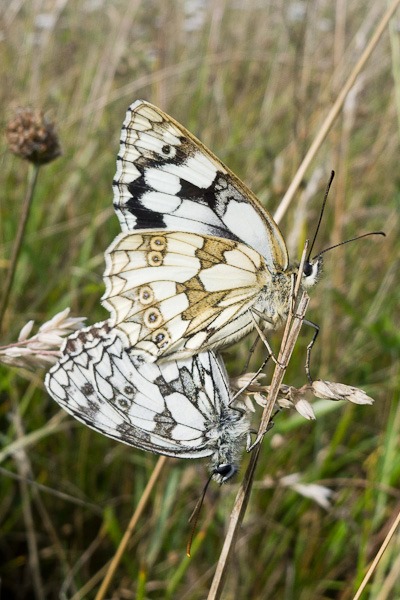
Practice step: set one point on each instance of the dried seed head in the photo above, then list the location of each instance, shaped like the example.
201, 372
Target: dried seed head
43, 348
32, 136
340, 391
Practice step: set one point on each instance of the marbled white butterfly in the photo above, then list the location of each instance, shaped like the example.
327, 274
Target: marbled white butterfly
178, 409
200, 260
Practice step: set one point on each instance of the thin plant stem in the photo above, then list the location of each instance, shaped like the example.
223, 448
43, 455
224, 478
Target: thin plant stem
26, 207
132, 524
395, 46
25, 478
290, 336
378, 557
39, 487
65, 592
91, 583
22, 464
236, 518
55, 425
334, 112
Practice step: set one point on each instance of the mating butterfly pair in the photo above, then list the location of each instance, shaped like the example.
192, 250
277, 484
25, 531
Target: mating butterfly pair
199, 262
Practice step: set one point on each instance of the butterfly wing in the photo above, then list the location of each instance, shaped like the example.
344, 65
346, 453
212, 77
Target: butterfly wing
167, 179
169, 409
175, 293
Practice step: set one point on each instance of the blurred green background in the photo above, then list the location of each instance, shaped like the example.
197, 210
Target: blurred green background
254, 80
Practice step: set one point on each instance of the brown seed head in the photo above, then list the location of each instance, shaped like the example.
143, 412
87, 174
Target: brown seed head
32, 136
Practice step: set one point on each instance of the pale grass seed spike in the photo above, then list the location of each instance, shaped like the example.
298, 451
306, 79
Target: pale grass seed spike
179, 409
199, 260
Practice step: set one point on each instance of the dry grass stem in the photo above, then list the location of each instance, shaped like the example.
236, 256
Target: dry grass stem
378, 557
235, 521
108, 570
29, 439
91, 583
26, 207
22, 463
334, 112
291, 333
129, 530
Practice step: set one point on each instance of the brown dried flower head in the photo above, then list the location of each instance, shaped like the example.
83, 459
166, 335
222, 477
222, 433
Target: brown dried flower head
32, 136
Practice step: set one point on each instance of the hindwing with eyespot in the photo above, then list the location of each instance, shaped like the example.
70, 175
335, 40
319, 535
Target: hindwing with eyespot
196, 296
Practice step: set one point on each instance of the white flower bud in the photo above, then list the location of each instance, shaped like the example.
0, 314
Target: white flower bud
25, 331
305, 409
340, 391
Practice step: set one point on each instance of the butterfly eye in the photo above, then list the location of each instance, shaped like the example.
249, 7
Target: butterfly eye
155, 258
307, 269
312, 272
226, 471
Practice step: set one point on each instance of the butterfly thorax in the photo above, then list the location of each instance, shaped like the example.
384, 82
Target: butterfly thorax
273, 303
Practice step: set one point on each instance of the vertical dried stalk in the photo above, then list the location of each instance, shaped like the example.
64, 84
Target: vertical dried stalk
290, 336
26, 207
378, 557
334, 112
132, 524
33, 549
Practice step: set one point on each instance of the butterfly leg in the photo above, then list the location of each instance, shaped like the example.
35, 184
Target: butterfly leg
241, 411
251, 352
263, 338
249, 443
246, 385
309, 347
259, 437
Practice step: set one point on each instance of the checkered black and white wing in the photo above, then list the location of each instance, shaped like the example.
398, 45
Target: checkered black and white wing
167, 179
178, 409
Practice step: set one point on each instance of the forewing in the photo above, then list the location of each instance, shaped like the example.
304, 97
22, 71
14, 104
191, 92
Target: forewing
167, 179
165, 408
172, 294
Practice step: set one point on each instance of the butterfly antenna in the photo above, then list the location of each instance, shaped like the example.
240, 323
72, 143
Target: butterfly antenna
195, 515
321, 214
358, 237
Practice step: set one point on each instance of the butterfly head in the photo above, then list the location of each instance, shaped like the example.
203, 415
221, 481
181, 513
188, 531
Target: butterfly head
223, 472
312, 271
229, 439
312, 268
